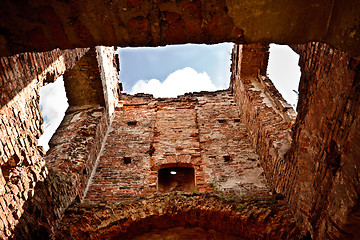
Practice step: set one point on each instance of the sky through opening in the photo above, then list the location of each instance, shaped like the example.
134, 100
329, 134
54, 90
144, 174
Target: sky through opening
174, 70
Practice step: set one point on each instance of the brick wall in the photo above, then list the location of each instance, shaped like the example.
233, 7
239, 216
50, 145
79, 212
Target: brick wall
203, 131
224, 138
326, 136
317, 174
83, 82
69, 161
265, 113
260, 218
74, 148
22, 163
230, 162
43, 26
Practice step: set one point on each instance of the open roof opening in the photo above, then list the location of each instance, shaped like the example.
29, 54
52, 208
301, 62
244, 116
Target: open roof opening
284, 72
175, 69
53, 105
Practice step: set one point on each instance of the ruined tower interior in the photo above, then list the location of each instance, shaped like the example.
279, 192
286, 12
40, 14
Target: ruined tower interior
238, 163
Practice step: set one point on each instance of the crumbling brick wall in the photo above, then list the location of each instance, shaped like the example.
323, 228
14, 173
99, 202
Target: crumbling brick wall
22, 163
73, 151
203, 131
318, 173
257, 218
315, 166
326, 151
266, 114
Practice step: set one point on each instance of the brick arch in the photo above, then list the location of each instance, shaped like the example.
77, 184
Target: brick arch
157, 167
251, 219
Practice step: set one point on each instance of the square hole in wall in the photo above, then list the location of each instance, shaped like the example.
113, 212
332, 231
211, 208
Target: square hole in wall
227, 158
176, 179
127, 160
132, 123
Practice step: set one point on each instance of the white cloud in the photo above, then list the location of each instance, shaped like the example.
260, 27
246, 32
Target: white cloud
177, 83
53, 104
284, 72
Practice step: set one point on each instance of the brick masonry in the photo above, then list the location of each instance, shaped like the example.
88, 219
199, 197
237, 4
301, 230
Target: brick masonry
22, 163
312, 160
258, 218
109, 67
203, 131
43, 26
326, 143
266, 114
83, 83
74, 148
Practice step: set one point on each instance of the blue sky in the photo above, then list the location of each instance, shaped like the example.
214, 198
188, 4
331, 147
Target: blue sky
159, 62
284, 71
173, 70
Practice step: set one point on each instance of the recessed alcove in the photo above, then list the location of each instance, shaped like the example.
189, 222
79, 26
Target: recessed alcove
9, 166
127, 160
176, 179
227, 158
132, 123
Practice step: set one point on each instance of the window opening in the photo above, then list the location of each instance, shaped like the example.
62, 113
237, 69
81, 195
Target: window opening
132, 123
227, 158
127, 160
175, 69
176, 179
284, 71
53, 105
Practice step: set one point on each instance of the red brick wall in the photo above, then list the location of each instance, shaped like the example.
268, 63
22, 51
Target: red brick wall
22, 164
73, 151
318, 174
197, 131
326, 136
265, 113
260, 218
74, 148
70, 160
83, 83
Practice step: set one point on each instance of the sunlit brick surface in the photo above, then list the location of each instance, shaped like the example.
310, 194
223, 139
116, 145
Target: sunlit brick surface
203, 131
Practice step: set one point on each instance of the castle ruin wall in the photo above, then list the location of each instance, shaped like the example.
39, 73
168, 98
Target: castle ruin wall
21, 160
